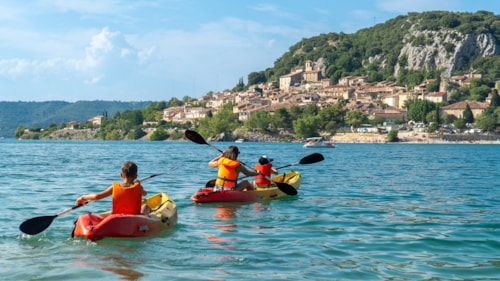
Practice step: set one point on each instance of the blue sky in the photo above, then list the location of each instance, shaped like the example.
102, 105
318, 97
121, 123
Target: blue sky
155, 50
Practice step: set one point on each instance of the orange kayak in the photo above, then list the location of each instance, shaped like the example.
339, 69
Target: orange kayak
98, 226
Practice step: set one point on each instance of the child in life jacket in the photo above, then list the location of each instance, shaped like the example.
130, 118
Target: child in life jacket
265, 167
127, 196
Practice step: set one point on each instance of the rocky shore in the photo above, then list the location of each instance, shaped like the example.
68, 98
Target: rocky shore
404, 137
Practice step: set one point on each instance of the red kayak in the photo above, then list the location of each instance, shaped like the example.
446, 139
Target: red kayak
98, 226
208, 195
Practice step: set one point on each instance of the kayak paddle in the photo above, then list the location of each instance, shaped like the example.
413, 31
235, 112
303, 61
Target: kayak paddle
38, 224
197, 138
309, 159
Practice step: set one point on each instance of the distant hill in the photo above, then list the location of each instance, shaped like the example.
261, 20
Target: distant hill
405, 49
33, 114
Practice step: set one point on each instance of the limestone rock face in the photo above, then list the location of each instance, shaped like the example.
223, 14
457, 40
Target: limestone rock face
447, 50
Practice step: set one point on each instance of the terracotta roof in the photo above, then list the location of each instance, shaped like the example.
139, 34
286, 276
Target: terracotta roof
436, 94
463, 105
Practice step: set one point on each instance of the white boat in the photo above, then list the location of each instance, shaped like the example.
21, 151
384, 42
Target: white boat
318, 142
239, 140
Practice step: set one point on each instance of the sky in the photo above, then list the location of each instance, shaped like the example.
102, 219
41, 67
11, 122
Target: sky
155, 50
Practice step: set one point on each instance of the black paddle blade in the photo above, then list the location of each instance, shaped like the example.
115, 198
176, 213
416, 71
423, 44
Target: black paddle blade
313, 158
210, 183
36, 225
286, 188
194, 137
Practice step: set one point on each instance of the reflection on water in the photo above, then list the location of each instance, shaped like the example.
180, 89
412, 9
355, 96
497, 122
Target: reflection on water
123, 260
123, 268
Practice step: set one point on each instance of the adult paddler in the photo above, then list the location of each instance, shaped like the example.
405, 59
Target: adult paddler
229, 169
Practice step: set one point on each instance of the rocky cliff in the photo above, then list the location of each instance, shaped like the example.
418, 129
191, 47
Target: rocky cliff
447, 50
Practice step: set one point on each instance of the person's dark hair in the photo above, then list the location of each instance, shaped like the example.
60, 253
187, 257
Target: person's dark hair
264, 159
231, 152
129, 169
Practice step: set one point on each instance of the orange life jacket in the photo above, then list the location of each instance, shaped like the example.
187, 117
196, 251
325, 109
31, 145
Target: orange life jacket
265, 170
227, 175
127, 200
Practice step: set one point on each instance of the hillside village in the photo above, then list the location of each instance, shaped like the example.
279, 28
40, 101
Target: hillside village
307, 85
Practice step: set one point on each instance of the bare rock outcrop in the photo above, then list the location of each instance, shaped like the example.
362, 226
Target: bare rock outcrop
446, 50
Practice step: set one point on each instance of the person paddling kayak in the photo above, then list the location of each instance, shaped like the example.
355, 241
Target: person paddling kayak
229, 169
127, 196
265, 167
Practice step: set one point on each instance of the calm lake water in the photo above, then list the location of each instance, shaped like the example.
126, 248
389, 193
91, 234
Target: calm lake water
367, 212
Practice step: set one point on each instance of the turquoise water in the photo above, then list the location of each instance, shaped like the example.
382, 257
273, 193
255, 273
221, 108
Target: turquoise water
367, 212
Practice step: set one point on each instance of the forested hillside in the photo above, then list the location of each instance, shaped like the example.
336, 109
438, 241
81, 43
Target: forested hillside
29, 114
406, 49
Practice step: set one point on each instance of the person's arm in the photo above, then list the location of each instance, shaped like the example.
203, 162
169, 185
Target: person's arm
274, 171
94, 196
243, 170
214, 163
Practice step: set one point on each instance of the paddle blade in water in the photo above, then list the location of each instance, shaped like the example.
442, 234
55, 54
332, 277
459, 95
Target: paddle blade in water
36, 225
194, 137
313, 158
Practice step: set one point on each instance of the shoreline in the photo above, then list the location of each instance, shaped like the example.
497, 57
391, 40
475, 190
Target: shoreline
404, 138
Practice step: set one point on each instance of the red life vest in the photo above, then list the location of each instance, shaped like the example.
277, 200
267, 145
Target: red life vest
227, 175
127, 200
265, 170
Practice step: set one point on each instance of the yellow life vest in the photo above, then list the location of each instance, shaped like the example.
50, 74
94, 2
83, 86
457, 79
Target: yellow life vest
227, 174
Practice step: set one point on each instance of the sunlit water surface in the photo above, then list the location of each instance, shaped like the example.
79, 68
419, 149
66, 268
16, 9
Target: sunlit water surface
367, 212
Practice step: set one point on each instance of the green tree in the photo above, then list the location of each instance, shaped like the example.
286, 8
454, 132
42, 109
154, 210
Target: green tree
136, 134
433, 86
259, 120
459, 124
355, 118
486, 122
306, 126
495, 100
113, 135
19, 132
489, 119
418, 110
256, 78
378, 120
174, 102
392, 136
240, 86
154, 111
311, 109
479, 93
468, 115
331, 117
296, 112
281, 119
158, 135
225, 121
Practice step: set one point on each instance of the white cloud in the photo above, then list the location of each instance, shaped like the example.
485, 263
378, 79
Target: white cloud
107, 55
